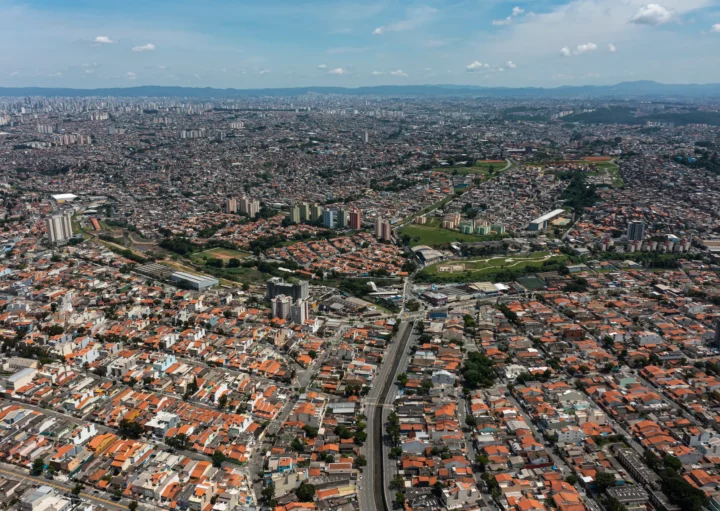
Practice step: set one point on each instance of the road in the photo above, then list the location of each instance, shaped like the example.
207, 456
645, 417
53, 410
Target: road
367, 488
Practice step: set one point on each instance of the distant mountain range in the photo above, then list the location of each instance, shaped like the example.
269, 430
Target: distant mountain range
625, 90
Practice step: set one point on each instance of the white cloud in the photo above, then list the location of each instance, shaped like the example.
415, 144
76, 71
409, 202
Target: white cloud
476, 66
338, 71
511, 65
517, 11
55, 75
144, 47
715, 28
503, 22
579, 49
585, 48
15, 73
377, 73
653, 14
103, 39
322, 66
90, 64
263, 71
612, 48
399, 72
130, 75
415, 17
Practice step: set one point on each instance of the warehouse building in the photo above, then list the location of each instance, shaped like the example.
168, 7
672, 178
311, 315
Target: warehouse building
541, 223
198, 282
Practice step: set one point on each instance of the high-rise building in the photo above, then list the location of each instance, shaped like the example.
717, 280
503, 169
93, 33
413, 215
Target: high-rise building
366, 137
343, 218
299, 312
276, 286
717, 333
386, 231
328, 218
295, 214
231, 205
249, 207
304, 212
378, 226
281, 306
636, 231
355, 220
316, 212
59, 228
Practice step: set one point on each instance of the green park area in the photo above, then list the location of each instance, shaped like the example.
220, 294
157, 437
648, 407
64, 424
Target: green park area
224, 254
501, 268
481, 169
432, 234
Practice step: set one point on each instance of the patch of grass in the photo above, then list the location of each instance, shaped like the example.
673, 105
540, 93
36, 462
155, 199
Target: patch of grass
488, 267
481, 169
218, 253
433, 235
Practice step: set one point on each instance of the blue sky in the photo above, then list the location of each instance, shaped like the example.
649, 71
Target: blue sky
284, 43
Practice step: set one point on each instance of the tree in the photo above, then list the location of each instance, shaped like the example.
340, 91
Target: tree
305, 492
361, 461
360, 437
400, 499
652, 460
179, 441
217, 459
222, 401
132, 506
604, 480
425, 387
672, 462
268, 493
397, 482
402, 379
234, 263
130, 429
297, 445
310, 432
38, 465
77, 489
571, 479
312, 354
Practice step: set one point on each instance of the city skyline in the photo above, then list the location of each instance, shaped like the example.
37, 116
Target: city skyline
319, 43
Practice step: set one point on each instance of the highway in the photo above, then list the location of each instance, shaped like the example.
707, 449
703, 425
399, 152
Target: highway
370, 495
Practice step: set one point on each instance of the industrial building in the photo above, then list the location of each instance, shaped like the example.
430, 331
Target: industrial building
541, 223
198, 282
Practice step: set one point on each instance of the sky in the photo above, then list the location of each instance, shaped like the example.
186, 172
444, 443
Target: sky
351, 43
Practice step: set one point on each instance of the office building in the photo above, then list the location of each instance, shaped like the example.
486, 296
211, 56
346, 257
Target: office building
378, 227
295, 214
276, 286
316, 211
386, 233
343, 218
304, 212
281, 306
355, 220
299, 312
328, 218
59, 228
231, 205
636, 231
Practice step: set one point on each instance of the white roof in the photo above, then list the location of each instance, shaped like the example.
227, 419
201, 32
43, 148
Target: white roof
64, 196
